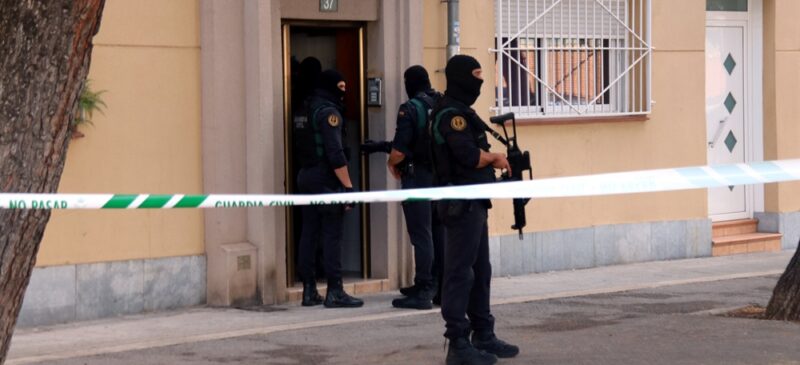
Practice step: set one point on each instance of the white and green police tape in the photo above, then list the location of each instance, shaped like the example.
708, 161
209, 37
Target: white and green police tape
602, 184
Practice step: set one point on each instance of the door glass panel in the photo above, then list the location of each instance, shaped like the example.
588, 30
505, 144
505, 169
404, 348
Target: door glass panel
726, 5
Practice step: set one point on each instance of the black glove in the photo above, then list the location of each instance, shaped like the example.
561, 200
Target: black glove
349, 205
371, 146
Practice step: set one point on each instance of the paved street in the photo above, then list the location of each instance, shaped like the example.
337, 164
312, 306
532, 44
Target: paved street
651, 313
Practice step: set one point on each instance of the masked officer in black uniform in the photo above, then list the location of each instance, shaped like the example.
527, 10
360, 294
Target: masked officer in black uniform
461, 157
328, 175
409, 161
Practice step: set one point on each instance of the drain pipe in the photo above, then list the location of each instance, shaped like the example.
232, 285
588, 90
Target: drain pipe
453, 29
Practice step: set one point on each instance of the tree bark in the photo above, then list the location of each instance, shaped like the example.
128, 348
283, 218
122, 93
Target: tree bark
785, 302
45, 49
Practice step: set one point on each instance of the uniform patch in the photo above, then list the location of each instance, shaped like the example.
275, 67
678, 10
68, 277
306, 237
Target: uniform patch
458, 123
401, 113
333, 120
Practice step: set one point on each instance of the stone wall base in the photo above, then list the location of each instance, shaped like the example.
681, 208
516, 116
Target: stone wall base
604, 245
59, 294
786, 223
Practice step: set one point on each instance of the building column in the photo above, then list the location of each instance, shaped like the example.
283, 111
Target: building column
394, 43
239, 118
263, 62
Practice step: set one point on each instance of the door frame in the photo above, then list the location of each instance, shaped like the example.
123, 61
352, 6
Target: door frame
286, 27
753, 22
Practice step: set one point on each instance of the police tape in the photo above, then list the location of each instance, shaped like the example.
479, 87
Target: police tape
644, 181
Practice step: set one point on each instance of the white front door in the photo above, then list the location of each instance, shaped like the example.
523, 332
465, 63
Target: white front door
725, 112
731, 114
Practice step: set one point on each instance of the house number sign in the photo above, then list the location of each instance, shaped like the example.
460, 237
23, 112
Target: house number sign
330, 6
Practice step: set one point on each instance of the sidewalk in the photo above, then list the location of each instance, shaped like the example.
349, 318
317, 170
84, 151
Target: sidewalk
206, 324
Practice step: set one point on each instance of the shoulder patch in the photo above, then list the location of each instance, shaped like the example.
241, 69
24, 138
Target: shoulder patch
333, 120
401, 113
458, 123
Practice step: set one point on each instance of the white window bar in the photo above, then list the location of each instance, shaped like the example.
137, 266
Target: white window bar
573, 58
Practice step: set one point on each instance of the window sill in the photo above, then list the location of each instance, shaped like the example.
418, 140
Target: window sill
582, 120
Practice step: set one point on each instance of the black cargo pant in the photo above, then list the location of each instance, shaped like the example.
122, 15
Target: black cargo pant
467, 271
426, 232
323, 224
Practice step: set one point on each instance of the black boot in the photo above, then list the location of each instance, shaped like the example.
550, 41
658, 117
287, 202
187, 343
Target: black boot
413, 302
311, 296
337, 298
409, 290
488, 342
414, 289
461, 352
421, 299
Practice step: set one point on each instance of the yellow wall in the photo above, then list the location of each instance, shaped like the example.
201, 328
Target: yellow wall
673, 135
147, 58
781, 91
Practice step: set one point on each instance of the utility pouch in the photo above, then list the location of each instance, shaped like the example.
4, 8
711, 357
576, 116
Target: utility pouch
452, 209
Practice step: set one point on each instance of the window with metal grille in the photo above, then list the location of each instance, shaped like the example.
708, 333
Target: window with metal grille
573, 58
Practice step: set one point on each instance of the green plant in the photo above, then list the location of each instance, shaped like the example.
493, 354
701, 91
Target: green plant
89, 102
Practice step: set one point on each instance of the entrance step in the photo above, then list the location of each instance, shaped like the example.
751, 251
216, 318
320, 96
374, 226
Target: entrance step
353, 287
740, 236
746, 243
730, 228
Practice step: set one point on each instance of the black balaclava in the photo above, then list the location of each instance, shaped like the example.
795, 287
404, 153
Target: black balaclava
417, 81
310, 69
461, 84
328, 81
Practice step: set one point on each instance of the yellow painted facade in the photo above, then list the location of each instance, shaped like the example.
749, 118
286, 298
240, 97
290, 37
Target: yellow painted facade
149, 138
146, 141
781, 92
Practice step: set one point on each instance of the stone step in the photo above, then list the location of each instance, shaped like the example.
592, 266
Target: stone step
352, 287
746, 243
735, 227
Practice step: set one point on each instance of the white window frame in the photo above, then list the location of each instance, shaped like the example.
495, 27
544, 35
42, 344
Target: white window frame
627, 89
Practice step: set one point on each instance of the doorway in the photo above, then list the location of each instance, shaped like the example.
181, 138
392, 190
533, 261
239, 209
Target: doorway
734, 116
338, 46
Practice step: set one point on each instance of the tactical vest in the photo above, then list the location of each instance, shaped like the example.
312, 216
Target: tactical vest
307, 130
423, 105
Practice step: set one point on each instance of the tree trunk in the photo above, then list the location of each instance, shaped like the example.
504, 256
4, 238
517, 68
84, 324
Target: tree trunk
45, 48
785, 302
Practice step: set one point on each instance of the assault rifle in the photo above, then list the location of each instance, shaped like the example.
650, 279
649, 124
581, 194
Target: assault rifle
519, 160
